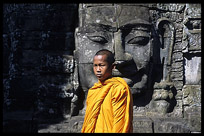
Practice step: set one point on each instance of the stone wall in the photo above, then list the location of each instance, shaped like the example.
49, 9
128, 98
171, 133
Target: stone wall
38, 62
41, 89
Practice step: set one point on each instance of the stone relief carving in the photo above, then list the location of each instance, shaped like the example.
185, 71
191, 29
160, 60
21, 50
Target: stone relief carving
144, 39
157, 49
123, 29
128, 32
163, 95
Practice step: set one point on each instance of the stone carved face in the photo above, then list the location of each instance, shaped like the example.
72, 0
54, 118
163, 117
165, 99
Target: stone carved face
123, 29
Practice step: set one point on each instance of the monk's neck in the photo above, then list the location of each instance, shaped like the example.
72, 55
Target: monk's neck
104, 81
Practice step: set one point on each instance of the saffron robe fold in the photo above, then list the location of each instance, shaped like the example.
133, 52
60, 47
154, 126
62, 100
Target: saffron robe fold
109, 108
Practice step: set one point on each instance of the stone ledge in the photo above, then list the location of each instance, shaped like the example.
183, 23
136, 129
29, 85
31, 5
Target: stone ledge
140, 125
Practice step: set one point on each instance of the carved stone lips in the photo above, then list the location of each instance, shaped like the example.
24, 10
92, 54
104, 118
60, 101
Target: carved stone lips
125, 69
124, 72
126, 77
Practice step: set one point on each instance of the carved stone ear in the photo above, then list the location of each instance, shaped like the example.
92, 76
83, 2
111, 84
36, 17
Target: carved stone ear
166, 33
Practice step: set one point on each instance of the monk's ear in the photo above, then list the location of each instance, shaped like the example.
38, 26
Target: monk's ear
113, 66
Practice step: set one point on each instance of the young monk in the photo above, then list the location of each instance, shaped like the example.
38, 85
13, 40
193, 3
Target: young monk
109, 102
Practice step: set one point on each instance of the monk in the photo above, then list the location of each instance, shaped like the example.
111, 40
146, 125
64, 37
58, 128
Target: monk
109, 102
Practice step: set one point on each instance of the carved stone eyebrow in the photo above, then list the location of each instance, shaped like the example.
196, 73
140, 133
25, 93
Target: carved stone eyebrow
94, 27
143, 27
137, 24
104, 27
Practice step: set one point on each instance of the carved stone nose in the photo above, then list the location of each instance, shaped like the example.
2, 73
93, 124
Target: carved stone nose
120, 54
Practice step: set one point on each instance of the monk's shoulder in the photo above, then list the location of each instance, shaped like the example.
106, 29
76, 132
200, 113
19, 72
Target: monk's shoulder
118, 88
119, 83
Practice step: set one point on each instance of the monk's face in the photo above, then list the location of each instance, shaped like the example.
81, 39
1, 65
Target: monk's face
101, 68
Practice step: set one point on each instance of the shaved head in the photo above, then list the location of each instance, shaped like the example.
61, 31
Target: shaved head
109, 54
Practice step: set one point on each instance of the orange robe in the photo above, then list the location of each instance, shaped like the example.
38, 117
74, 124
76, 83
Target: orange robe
109, 108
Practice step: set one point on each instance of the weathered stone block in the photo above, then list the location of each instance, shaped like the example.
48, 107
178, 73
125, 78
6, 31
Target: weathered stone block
102, 15
57, 41
142, 125
72, 125
192, 69
170, 125
95, 5
193, 10
57, 64
178, 75
193, 117
192, 95
53, 41
178, 109
170, 7
56, 20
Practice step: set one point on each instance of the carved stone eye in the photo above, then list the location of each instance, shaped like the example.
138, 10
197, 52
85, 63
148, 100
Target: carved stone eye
98, 39
138, 40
